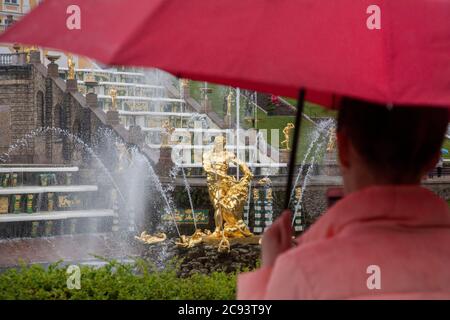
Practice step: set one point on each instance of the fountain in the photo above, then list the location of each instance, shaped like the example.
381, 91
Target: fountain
212, 202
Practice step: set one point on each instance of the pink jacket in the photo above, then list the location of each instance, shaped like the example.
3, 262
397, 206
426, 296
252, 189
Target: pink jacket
403, 230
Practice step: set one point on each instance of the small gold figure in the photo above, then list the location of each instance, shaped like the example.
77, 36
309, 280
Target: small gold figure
113, 94
184, 83
27, 52
192, 241
166, 133
151, 239
255, 194
265, 181
286, 132
269, 195
332, 140
71, 67
298, 193
229, 102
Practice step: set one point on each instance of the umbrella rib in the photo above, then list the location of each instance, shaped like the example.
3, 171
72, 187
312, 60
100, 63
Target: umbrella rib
298, 121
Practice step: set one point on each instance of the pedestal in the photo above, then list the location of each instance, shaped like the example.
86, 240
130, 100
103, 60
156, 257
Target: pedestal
186, 92
227, 120
206, 106
71, 85
330, 165
35, 56
52, 70
92, 100
165, 163
112, 118
285, 156
136, 136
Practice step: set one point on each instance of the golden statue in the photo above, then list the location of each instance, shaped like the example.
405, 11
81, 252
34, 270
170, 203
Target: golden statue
255, 194
298, 193
184, 83
269, 195
27, 51
166, 133
113, 94
191, 241
229, 103
226, 193
332, 140
151, 239
228, 196
265, 181
286, 132
71, 67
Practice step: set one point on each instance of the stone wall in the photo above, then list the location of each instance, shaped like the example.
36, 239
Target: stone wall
16, 94
203, 258
29, 100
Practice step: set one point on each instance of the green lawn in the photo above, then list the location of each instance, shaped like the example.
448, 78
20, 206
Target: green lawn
314, 110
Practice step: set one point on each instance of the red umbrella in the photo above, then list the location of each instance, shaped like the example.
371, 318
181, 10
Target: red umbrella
265, 45
386, 51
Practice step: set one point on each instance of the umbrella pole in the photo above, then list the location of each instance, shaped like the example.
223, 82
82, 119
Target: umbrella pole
295, 142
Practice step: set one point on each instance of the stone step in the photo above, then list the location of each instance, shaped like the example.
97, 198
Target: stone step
55, 215
37, 169
47, 189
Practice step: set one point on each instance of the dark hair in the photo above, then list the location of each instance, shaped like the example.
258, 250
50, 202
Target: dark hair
398, 142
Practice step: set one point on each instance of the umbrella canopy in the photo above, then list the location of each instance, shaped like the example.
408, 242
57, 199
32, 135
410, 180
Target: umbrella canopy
386, 51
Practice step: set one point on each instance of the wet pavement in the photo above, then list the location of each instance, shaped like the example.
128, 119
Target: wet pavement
79, 248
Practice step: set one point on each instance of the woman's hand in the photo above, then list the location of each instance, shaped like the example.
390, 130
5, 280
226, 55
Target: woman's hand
277, 239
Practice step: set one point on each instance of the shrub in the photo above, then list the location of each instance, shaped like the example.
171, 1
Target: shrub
114, 281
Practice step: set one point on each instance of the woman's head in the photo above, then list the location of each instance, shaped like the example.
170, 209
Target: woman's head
384, 145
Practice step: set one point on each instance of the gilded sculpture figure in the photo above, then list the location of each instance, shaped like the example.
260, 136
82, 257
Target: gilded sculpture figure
113, 95
151, 239
166, 133
286, 132
184, 83
332, 140
298, 193
227, 194
70, 67
229, 103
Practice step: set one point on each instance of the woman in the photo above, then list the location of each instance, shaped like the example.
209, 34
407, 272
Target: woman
388, 237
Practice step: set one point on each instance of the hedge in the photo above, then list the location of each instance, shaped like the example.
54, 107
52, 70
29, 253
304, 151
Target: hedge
114, 281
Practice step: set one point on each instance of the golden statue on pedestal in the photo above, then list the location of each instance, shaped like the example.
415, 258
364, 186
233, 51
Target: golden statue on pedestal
70, 67
166, 133
228, 196
226, 193
286, 132
113, 95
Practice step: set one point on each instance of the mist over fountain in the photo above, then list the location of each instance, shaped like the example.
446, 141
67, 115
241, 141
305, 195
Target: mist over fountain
136, 141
